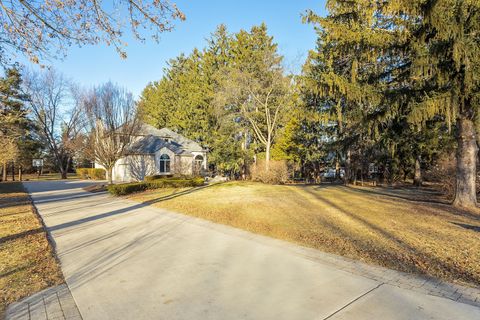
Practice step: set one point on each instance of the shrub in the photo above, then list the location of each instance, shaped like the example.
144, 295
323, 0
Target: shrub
96, 174
126, 188
91, 173
156, 177
443, 173
278, 172
175, 183
82, 172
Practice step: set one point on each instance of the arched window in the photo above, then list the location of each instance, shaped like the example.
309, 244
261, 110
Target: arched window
164, 163
198, 161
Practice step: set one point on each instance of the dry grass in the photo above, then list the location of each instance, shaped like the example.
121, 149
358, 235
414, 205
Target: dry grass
27, 264
368, 224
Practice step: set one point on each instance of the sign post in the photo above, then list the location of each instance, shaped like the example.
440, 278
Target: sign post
38, 163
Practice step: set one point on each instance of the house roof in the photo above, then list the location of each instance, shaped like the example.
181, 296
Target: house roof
155, 139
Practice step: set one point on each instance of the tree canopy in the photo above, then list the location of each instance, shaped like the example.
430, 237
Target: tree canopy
393, 72
231, 97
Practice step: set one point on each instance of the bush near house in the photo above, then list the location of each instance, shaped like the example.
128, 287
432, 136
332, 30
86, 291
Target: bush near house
158, 176
91, 173
278, 172
82, 172
128, 188
175, 183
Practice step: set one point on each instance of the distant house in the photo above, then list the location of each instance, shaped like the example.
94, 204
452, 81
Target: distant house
161, 152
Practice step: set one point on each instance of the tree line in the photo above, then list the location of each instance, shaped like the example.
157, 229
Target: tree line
46, 115
391, 88
390, 91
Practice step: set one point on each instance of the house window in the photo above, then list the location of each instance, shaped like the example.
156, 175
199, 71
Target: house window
198, 161
164, 163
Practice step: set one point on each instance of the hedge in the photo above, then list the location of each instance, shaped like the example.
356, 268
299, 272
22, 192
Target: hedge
127, 188
158, 176
91, 173
82, 172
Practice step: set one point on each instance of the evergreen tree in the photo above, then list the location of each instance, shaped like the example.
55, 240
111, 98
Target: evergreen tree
446, 60
186, 99
15, 126
336, 75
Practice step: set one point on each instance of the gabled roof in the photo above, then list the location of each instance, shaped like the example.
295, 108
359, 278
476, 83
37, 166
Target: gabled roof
154, 139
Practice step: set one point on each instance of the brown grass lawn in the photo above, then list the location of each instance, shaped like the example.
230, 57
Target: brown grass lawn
27, 264
367, 224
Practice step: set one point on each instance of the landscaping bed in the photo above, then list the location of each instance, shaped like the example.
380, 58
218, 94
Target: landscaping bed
27, 261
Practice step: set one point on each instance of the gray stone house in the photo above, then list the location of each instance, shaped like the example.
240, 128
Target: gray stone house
162, 152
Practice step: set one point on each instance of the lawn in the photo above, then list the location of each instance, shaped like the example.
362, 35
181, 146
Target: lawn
27, 264
368, 224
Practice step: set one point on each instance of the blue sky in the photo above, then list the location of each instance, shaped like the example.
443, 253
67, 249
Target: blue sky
92, 65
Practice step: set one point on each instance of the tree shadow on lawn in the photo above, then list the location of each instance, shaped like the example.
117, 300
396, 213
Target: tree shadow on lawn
22, 201
467, 226
20, 235
15, 270
176, 194
400, 261
432, 203
410, 194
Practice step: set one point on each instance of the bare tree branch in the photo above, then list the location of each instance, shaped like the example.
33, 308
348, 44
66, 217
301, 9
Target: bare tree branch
44, 29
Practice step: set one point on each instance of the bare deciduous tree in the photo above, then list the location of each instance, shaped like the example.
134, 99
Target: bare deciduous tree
41, 29
112, 121
56, 113
263, 99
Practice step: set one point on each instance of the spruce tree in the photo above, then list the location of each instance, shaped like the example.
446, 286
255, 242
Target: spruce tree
14, 124
446, 57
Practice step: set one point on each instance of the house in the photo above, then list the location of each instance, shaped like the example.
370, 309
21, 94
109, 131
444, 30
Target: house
160, 152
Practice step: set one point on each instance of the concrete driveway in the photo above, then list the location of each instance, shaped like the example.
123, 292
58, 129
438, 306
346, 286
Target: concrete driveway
127, 260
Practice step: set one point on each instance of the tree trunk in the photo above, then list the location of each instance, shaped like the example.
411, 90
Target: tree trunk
63, 173
13, 171
267, 155
347, 178
109, 174
20, 173
4, 171
417, 178
465, 191
361, 176
337, 167
67, 167
244, 153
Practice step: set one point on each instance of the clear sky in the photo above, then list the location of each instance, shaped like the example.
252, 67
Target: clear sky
92, 65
